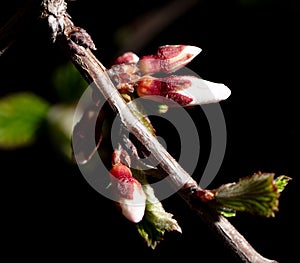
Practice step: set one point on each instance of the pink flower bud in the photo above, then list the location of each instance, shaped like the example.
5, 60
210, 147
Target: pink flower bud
184, 90
160, 88
128, 192
168, 59
128, 57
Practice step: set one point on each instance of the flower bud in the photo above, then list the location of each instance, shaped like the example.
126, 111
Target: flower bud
160, 88
205, 92
128, 192
168, 59
184, 90
127, 57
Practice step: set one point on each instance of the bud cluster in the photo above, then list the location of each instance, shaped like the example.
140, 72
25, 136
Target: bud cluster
131, 73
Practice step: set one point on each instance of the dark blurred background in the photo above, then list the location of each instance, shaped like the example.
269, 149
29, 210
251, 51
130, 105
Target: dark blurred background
49, 211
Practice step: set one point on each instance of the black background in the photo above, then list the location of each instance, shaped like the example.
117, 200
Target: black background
49, 211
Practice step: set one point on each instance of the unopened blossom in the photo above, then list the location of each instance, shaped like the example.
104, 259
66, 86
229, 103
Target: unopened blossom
184, 90
128, 192
127, 57
168, 59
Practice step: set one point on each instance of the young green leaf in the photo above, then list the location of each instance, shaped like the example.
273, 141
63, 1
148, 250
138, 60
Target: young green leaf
256, 194
21, 116
156, 220
281, 182
227, 212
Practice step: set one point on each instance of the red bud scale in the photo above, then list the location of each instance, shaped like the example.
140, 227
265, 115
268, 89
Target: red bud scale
128, 192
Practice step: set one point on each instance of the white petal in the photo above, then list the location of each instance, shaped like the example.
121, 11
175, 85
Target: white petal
205, 92
134, 209
192, 50
132, 212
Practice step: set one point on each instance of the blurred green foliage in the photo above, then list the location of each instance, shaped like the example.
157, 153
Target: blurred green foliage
68, 82
25, 115
21, 116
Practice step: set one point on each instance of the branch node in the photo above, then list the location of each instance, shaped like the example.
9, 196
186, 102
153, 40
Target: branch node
60, 24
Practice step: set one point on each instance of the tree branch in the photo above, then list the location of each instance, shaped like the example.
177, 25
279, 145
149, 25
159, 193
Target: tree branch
77, 44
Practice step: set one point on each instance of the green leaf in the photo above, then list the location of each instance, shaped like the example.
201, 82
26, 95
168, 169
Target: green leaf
21, 116
151, 234
281, 182
256, 194
227, 212
156, 220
